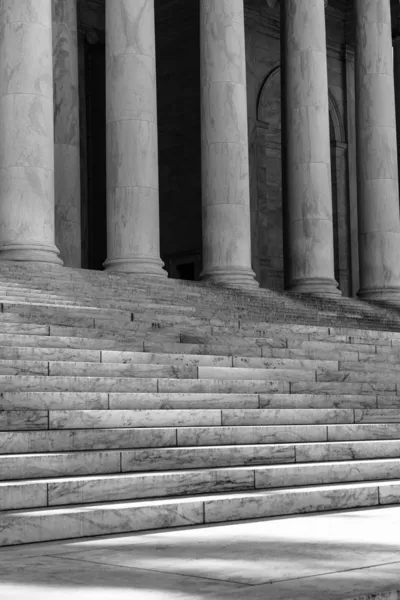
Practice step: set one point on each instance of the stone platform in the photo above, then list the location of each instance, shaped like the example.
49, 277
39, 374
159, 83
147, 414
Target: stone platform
336, 556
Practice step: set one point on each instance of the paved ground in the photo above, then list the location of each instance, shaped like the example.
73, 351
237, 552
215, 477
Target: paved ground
332, 556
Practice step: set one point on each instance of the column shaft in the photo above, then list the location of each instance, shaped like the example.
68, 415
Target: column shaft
66, 132
133, 232
224, 138
378, 194
307, 192
27, 134
396, 70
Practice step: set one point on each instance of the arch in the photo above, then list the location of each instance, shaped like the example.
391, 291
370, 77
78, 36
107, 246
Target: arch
336, 119
269, 181
269, 106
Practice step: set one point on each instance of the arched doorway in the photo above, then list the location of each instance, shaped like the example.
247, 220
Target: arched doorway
269, 189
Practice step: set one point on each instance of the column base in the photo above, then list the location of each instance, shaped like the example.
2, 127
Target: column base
390, 296
142, 266
238, 278
316, 286
30, 253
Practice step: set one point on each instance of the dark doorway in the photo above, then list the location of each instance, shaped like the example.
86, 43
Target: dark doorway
186, 271
95, 205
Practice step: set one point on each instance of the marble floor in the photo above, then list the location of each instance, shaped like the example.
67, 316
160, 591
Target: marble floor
331, 556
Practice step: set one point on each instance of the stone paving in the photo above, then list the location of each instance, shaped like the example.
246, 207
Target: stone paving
331, 556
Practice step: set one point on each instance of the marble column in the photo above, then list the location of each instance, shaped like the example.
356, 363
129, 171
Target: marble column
307, 193
224, 139
378, 193
133, 232
26, 132
66, 132
352, 170
396, 72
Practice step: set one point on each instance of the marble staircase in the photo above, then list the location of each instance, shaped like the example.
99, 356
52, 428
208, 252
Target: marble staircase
128, 405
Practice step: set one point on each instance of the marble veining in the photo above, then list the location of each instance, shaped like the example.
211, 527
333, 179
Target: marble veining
202, 457
84, 439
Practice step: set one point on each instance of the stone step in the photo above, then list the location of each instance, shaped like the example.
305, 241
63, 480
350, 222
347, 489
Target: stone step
280, 342
174, 371
91, 369
293, 401
335, 387
231, 373
114, 488
140, 303
284, 363
143, 401
74, 419
13, 442
353, 376
275, 434
148, 401
163, 334
157, 344
62, 491
46, 341
376, 367
29, 353
250, 350
16, 442
39, 525
13, 419
59, 464
159, 459
16, 383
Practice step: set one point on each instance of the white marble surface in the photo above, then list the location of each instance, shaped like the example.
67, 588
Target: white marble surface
334, 556
306, 149
212, 456
251, 434
12, 383
220, 386
98, 419
133, 230
224, 141
82, 439
59, 465
181, 400
148, 485
67, 184
27, 133
347, 450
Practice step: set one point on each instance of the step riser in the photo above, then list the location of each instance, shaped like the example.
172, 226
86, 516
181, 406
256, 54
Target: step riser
15, 496
9, 383
20, 527
98, 419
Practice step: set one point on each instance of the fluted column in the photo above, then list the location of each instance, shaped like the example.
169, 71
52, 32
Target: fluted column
307, 192
67, 181
133, 236
224, 140
26, 132
378, 194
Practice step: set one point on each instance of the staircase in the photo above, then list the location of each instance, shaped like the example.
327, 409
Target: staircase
131, 405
